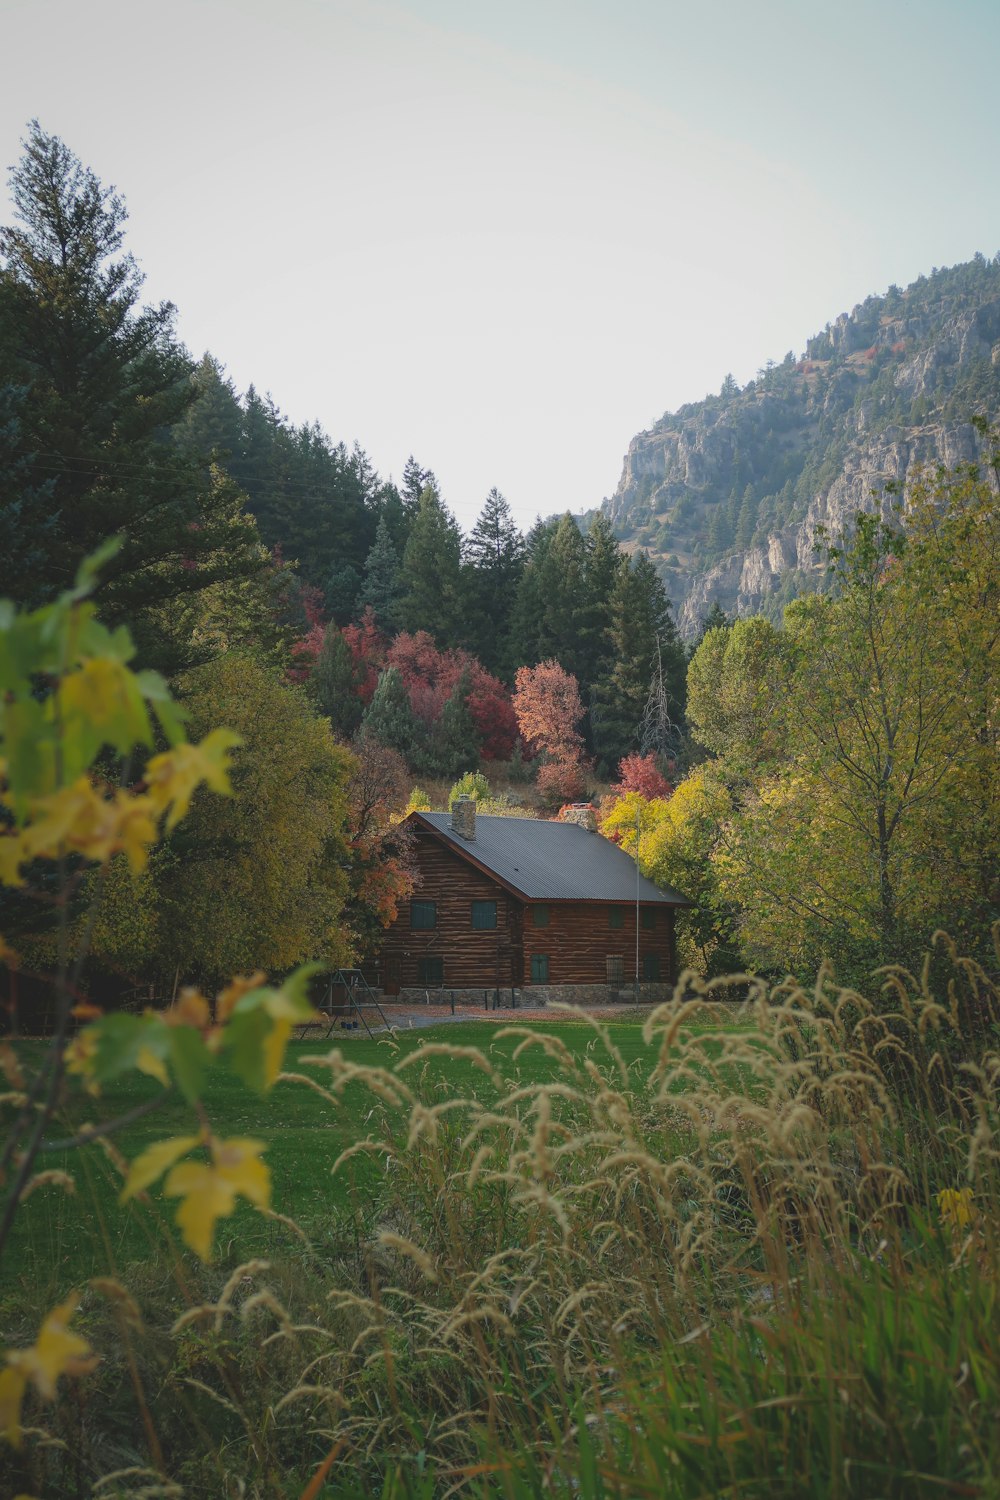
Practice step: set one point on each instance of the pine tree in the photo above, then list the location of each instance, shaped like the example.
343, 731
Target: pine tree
562, 626
529, 603
415, 481
213, 422
389, 717
643, 637
605, 559
335, 683
747, 519
455, 741
340, 592
430, 579
495, 554
105, 384
380, 586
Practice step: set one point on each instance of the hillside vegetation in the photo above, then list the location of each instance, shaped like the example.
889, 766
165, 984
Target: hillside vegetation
727, 494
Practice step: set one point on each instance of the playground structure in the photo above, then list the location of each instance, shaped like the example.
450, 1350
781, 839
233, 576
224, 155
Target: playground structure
348, 994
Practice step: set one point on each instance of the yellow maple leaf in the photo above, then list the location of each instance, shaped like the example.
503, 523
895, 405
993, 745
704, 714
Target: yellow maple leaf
55, 1352
190, 1009
136, 830
58, 816
78, 818
80, 1056
274, 1049
147, 1062
154, 1161
242, 984
103, 694
174, 776
210, 1191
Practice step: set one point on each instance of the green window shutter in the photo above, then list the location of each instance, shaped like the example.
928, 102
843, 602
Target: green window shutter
539, 968
651, 966
648, 918
423, 915
616, 916
430, 970
484, 915
539, 916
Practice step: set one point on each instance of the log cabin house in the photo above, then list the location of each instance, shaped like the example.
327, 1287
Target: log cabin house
521, 904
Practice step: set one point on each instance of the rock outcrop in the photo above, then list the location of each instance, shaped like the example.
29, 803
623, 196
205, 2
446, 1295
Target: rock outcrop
731, 496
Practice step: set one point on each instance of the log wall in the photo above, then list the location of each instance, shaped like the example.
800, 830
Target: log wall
473, 958
577, 941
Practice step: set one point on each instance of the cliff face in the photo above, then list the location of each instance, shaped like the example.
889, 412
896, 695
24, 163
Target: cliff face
728, 495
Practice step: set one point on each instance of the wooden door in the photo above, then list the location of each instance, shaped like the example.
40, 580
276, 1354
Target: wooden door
393, 973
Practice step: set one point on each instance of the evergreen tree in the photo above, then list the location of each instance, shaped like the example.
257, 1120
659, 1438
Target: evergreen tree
415, 481
397, 516
335, 683
389, 718
213, 422
105, 382
643, 637
430, 579
454, 745
529, 603
716, 619
380, 586
605, 560
563, 622
746, 521
340, 592
495, 553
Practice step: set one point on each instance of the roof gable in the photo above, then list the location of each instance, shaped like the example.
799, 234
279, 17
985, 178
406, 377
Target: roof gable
550, 861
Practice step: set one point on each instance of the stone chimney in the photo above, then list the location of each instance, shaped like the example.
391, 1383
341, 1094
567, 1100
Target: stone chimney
581, 813
463, 818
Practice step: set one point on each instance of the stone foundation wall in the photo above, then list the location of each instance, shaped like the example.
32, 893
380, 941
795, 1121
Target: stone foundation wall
533, 996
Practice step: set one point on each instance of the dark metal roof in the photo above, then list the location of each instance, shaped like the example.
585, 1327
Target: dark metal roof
552, 861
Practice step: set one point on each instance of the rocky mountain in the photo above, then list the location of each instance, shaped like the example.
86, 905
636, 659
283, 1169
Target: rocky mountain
727, 494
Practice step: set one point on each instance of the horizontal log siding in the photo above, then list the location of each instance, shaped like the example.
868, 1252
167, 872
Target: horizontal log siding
472, 958
579, 939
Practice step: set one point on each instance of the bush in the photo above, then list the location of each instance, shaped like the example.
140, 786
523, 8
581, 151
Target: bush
472, 784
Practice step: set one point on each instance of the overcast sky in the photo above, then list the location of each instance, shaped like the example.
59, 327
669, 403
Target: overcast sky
507, 236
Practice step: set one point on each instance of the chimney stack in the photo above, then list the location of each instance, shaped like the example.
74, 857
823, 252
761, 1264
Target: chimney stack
463, 818
581, 813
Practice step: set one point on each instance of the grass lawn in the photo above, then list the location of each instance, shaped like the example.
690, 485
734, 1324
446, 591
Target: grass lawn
60, 1239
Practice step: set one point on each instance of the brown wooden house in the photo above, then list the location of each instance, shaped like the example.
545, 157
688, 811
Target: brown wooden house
518, 903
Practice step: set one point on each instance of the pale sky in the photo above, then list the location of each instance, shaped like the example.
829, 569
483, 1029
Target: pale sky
507, 236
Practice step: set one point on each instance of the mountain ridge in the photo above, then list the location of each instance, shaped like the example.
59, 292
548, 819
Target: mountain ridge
728, 495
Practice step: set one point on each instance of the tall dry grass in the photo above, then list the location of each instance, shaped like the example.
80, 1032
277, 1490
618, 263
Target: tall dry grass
764, 1264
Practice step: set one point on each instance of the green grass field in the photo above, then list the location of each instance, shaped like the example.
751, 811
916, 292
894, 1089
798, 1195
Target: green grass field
61, 1239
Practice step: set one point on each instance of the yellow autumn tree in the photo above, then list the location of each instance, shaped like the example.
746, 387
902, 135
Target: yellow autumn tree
257, 881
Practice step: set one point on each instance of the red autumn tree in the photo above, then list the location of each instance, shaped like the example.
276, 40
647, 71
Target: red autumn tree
430, 675
367, 646
560, 782
492, 713
548, 708
640, 773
